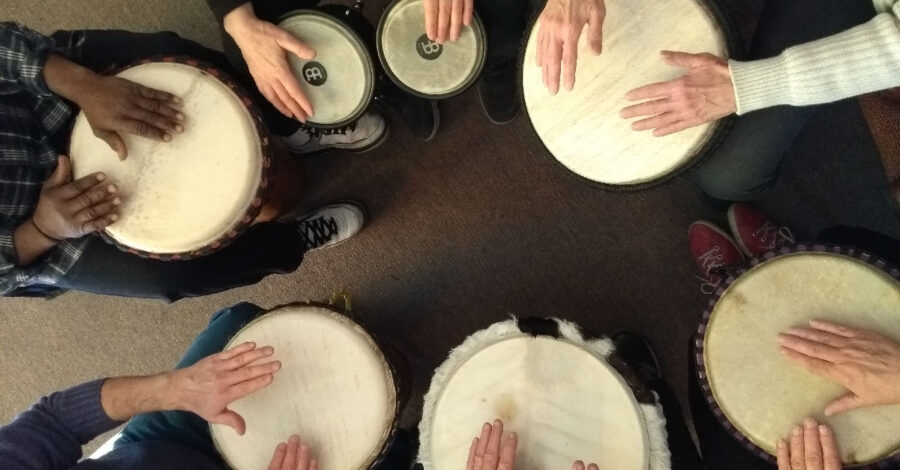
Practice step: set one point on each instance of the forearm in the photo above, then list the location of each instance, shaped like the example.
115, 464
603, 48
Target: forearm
224, 9
68, 79
30, 243
238, 19
125, 397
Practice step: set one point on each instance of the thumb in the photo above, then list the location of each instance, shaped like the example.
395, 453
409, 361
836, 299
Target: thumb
62, 172
230, 418
682, 59
115, 142
293, 45
595, 30
847, 402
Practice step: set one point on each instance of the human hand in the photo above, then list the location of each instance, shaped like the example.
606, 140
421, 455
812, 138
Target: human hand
73, 209
445, 18
209, 386
812, 447
265, 48
293, 455
561, 25
866, 363
487, 452
703, 94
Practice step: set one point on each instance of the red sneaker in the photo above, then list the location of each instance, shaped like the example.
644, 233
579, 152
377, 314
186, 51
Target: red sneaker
712, 249
754, 232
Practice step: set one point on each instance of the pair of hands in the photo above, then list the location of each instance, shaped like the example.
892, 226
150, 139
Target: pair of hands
490, 451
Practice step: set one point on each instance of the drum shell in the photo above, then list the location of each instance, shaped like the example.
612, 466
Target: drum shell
266, 154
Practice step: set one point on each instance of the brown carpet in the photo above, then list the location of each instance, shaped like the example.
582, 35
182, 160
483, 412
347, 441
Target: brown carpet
476, 225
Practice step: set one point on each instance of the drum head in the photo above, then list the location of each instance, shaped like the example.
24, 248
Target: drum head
762, 393
340, 80
183, 196
335, 390
423, 67
582, 128
584, 410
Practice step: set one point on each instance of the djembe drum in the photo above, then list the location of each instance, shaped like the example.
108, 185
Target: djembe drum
566, 396
582, 128
193, 195
337, 389
757, 393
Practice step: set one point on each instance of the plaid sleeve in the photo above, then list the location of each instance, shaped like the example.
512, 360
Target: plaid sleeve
8, 256
23, 53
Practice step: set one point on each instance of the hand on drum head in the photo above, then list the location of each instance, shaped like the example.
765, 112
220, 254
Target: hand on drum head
444, 19
113, 105
703, 94
812, 447
73, 209
293, 455
866, 363
265, 48
209, 386
490, 451
561, 25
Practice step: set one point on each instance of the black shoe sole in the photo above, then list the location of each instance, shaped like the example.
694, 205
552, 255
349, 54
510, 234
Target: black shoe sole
436, 115
488, 115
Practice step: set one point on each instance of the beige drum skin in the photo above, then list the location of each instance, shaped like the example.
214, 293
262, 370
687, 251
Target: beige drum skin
183, 195
335, 389
582, 128
762, 393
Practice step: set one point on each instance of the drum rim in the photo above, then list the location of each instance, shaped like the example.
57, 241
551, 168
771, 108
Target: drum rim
367, 58
265, 153
379, 347
525, 327
719, 131
699, 342
476, 25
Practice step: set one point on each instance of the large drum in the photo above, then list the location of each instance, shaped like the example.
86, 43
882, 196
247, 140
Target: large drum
340, 80
424, 67
594, 408
582, 128
336, 389
757, 393
195, 194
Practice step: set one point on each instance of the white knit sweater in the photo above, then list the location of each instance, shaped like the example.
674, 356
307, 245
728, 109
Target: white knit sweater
857, 61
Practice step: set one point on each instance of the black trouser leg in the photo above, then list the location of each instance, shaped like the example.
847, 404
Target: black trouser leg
746, 163
864, 239
268, 248
506, 22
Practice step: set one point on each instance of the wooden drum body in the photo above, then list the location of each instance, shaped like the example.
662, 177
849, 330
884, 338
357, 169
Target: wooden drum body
582, 127
336, 389
757, 393
195, 194
567, 398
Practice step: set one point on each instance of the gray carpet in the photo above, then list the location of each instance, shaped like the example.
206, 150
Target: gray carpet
472, 227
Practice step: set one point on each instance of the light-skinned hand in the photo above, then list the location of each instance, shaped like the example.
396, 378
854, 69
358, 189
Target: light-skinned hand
703, 94
561, 25
208, 387
864, 362
812, 447
444, 19
490, 451
293, 455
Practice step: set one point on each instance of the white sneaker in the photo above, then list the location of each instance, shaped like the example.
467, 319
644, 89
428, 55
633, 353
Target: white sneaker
365, 134
331, 225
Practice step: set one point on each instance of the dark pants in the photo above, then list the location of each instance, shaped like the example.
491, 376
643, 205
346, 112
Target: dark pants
265, 249
193, 431
747, 162
722, 451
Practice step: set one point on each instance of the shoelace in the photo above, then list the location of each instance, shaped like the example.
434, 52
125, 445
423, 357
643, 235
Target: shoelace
317, 232
709, 261
315, 132
771, 235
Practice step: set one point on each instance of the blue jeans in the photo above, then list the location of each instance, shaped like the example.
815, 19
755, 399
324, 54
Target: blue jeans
181, 426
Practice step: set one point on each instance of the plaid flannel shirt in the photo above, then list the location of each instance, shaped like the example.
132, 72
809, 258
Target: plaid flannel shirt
34, 124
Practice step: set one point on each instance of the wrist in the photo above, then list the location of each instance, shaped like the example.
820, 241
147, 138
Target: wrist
237, 21
43, 233
68, 79
125, 397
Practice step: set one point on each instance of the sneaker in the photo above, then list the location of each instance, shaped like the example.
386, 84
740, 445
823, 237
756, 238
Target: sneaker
754, 232
421, 116
331, 225
497, 92
367, 133
636, 351
712, 249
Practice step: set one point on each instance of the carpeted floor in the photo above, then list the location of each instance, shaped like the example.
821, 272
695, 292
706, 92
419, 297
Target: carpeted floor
474, 226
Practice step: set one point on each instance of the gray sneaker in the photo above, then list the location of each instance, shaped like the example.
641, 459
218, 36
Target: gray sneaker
330, 225
367, 133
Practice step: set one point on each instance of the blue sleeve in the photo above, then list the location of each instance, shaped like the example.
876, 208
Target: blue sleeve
49, 436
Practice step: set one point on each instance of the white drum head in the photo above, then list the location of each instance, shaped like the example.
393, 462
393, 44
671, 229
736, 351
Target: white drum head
183, 195
425, 67
584, 410
340, 80
762, 393
582, 128
335, 390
